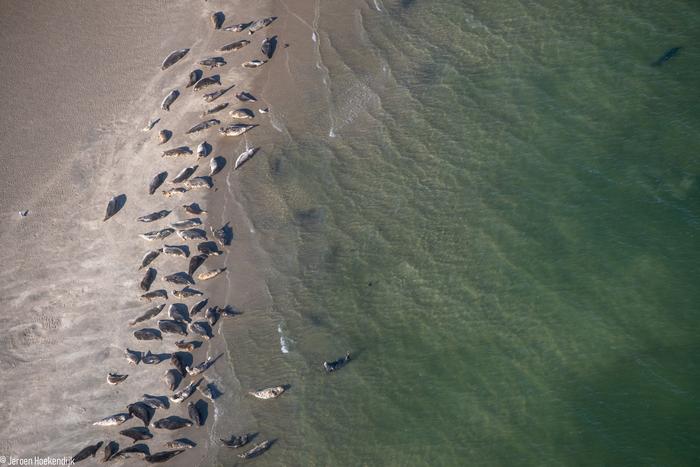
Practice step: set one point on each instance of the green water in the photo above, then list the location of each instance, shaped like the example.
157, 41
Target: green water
520, 188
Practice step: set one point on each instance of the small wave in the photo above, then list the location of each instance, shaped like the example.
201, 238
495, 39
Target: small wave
331, 134
376, 5
314, 36
284, 345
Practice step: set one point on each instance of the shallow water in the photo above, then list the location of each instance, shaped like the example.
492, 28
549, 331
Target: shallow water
497, 213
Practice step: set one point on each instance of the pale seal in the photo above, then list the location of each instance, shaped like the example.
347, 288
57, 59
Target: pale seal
242, 113
236, 442
203, 181
244, 157
205, 276
253, 63
113, 420
268, 393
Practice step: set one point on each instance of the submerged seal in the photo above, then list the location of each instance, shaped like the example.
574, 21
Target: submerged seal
173, 58
236, 442
337, 364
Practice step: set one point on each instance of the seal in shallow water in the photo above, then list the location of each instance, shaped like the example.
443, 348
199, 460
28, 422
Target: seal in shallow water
173, 58
257, 450
337, 364
268, 393
169, 99
236, 442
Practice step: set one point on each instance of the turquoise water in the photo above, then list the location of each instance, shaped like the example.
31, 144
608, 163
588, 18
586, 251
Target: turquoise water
520, 188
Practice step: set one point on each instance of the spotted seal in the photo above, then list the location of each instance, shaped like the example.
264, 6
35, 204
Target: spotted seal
261, 23
268, 393
236, 129
155, 294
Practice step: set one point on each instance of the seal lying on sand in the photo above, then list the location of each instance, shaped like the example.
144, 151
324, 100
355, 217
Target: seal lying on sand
137, 433
187, 292
178, 312
156, 402
233, 46
172, 423
156, 181
209, 248
236, 129
203, 126
173, 58
176, 250
113, 207
195, 75
213, 62
257, 450
151, 123
149, 257
188, 345
140, 411
114, 378
148, 279
253, 63
216, 94
162, 456
150, 313
206, 82
216, 165
192, 234
237, 27
268, 46
205, 276
86, 452
198, 307
217, 19
201, 368
182, 443
183, 394
174, 191
113, 420
268, 393
139, 450
261, 23
244, 157
224, 234
169, 99
177, 361
236, 441
202, 328
242, 113
175, 152
155, 294
133, 356
199, 182
187, 223
196, 262
172, 378
148, 334
184, 174
173, 327
154, 216
179, 278
164, 136
152, 358
157, 234
245, 96
194, 208
337, 364
195, 414
110, 450
203, 149
216, 108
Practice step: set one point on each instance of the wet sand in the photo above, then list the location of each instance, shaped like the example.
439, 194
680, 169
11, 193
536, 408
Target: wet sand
70, 282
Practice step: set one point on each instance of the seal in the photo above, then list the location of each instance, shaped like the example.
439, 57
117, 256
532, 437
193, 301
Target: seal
172, 327
202, 328
113, 420
192, 234
257, 450
205, 276
178, 312
204, 182
206, 82
195, 75
154, 216
213, 62
185, 393
668, 55
242, 113
176, 250
187, 223
244, 157
138, 449
223, 234
175, 152
184, 174
110, 450
157, 234
140, 411
174, 191
203, 126
236, 442
268, 46
264, 110
172, 423
137, 433
245, 96
215, 109
186, 293
115, 378
195, 263
234, 46
213, 315
182, 443
155, 294
169, 99
150, 313
164, 136
86, 452
151, 358
173, 58
216, 165
253, 63
212, 96
337, 364
149, 257
268, 393
147, 334
194, 208
195, 414
156, 402
204, 149
148, 279
236, 129
201, 368
237, 27
188, 345
217, 19
181, 278
172, 378
178, 363
150, 124
133, 356
261, 23
162, 456
209, 391
113, 207
156, 182
209, 248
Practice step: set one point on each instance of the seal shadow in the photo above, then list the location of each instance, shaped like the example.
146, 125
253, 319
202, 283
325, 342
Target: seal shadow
203, 408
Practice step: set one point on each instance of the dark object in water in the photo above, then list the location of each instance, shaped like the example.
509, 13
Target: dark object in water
338, 364
668, 55
236, 441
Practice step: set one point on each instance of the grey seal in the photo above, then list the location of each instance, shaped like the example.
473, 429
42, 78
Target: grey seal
178, 312
150, 313
188, 345
187, 292
178, 363
164, 136
245, 96
236, 129
86, 452
138, 449
203, 149
216, 165
205, 276
244, 157
180, 278
203, 126
137, 433
151, 358
173, 58
149, 257
212, 96
198, 307
183, 394
148, 334
668, 55
217, 19
175, 152
178, 190
237, 27
195, 75
202, 328
172, 378
140, 411
133, 356
187, 223
224, 234
215, 109
184, 174
268, 393
199, 182
150, 124
156, 182
192, 234
212, 315
110, 450
113, 206
181, 443
113, 420
148, 279
169, 99
234, 46
176, 250
154, 216
209, 248
268, 46
156, 402
155, 294
172, 423
206, 82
